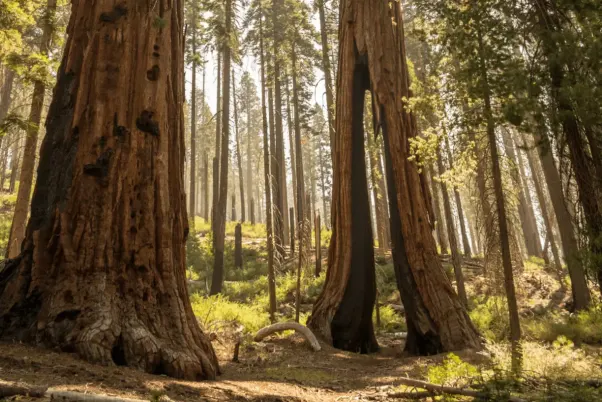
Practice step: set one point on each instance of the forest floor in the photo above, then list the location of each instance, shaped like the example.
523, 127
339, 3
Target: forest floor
281, 369
284, 368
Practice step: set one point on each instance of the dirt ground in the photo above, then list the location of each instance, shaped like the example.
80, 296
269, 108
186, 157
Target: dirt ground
280, 369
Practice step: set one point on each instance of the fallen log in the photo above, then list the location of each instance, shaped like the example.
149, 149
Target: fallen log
56, 395
9, 390
287, 326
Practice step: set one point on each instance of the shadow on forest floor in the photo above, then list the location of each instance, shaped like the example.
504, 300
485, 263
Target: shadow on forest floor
281, 369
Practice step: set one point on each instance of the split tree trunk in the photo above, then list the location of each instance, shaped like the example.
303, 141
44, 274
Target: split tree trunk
436, 319
102, 271
17, 229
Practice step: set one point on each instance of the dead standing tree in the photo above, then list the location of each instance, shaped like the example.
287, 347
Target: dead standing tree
372, 58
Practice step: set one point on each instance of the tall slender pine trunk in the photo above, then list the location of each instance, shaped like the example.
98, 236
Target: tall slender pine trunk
267, 180
219, 230
241, 181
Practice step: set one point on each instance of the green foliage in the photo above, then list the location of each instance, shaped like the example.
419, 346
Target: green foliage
215, 311
453, 371
7, 207
534, 264
390, 320
582, 327
490, 316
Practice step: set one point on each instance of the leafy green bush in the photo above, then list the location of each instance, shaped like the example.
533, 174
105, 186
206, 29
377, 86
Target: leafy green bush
390, 320
534, 264
215, 311
452, 372
7, 207
490, 316
582, 327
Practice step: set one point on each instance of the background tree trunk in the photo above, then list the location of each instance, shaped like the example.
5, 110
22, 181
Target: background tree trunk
17, 229
267, 180
327, 73
451, 231
219, 229
462, 222
102, 271
440, 220
192, 191
570, 249
241, 181
218, 140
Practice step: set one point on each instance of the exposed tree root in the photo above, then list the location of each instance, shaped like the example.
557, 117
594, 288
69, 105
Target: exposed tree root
287, 326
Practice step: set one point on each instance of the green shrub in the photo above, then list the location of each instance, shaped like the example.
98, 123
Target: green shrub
490, 316
452, 371
582, 327
390, 320
534, 264
246, 291
215, 311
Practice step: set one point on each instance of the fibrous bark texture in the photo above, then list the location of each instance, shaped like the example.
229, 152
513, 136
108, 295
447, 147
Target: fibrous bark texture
102, 269
372, 56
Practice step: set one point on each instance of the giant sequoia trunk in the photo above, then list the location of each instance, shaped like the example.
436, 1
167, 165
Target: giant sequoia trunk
372, 56
102, 268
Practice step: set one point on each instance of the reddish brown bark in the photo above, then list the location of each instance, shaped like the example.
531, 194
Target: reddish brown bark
102, 271
372, 56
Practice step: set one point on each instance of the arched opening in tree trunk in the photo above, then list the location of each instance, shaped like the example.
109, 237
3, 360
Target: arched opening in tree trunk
352, 327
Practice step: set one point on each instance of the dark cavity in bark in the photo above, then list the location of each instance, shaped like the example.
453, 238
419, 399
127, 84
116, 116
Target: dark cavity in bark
417, 343
119, 11
146, 124
352, 327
